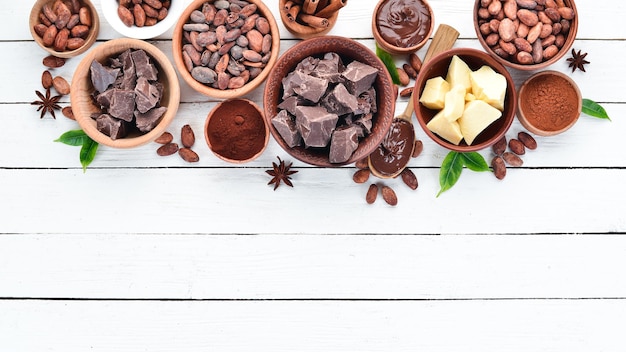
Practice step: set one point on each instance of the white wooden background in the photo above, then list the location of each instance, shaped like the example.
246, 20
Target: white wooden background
146, 253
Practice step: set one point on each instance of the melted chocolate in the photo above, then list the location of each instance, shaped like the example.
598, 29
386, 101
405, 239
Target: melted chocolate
395, 150
403, 23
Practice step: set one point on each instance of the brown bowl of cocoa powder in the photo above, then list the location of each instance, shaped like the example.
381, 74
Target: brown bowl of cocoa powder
526, 35
64, 29
235, 131
549, 103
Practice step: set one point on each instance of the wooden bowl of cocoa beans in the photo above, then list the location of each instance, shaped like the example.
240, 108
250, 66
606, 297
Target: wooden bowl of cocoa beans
125, 93
64, 29
141, 19
225, 51
526, 35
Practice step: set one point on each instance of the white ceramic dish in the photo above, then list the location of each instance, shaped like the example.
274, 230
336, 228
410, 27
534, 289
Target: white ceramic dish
109, 8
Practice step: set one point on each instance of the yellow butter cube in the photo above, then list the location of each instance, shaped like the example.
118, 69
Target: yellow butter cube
478, 115
448, 130
434, 93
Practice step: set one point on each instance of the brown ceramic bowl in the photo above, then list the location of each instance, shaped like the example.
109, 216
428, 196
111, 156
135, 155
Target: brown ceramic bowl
89, 39
511, 62
81, 93
426, 29
349, 50
301, 30
529, 106
236, 131
177, 52
475, 59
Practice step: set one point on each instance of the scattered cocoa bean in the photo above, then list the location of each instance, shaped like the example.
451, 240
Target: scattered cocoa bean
361, 175
517, 147
406, 92
46, 79
403, 76
61, 85
512, 159
362, 164
52, 61
500, 146
188, 155
167, 149
372, 193
187, 136
528, 140
499, 168
415, 62
418, 147
409, 71
68, 112
409, 178
389, 195
164, 138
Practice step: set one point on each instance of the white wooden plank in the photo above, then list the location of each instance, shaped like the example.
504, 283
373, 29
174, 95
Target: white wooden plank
323, 201
311, 267
355, 19
510, 326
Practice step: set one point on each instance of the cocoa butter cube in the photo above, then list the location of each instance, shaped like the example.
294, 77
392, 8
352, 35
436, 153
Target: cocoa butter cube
289, 104
146, 122
102, 77
344, 142
122, 104
143, 65
315, 125
286, 127
312, 88
359, 77
339, 101
147, 95
112, 127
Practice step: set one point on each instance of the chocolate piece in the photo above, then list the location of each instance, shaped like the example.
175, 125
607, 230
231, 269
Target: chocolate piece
365, 122
143, 67
147, 95
122, 104
146, 122
102, 77
308, 65
112, 127
367, 102
104, 98
330, 68
286, 127
290, 104
359, 77
129, 77
315, 125
312, 88
339, 101
343, 143
292, 80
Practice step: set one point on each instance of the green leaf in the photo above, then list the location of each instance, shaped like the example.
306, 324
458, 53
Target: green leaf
386, 58
475, 162
88, 152
450, 171
594, 109
73, 138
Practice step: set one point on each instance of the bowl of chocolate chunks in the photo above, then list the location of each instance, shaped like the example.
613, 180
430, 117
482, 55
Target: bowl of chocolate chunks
329, 101
125, 93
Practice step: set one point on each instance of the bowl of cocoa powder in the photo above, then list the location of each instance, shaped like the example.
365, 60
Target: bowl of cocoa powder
64, 29
526, 34
225, 49
142, 19
549, 103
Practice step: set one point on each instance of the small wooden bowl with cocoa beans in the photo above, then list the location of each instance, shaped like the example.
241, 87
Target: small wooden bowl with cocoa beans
526, 35
64, 29
225, 49
141, 19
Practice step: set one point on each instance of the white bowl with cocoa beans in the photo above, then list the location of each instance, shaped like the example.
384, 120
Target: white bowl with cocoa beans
526, 34
142, 19
64, 29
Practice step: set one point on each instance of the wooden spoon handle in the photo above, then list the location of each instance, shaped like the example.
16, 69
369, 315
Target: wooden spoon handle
444, 39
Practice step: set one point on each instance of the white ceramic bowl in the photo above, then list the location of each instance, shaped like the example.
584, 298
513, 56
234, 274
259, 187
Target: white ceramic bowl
109, 8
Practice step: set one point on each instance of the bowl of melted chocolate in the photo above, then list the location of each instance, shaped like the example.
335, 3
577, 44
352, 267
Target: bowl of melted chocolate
402, 26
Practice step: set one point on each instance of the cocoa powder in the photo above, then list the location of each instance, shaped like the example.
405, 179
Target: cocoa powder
549, 102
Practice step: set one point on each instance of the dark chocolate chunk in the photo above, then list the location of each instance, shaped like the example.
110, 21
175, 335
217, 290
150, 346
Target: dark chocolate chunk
330, 68
286, 127
365, 123
147, 95
367, 102
129, 77
312, 88
122, 104
290, 104
112, 127
315, 125
339, 101
102, 77
343, 143
359, 77
308, 65
104, 98
146, 122
143, 65
292, 80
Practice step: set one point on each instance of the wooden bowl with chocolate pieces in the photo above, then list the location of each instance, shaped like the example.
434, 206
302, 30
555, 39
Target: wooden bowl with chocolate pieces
64, 28
225, 48
329, 101
125, 93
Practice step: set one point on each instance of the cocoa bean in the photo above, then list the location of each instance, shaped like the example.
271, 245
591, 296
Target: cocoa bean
84, 16
512, 159
164, 138
52, 61
546, 30
223, 79
522, 45
494, 24
156, 4
406, 92
403, 76
167, 149
506, 30
49, 36
537, 53
140, 15
74, 20
534, 33
61, 85
187, 136
40, 29
494, 8
492, 39
498, 166
50, 15
236, 82
415, 62
389, 195
517, 147
262, 25
418, 147
500, 146
510, 9
509, 47
527, 17
372, 193
46, 79
60, 42
63, 15
566, 13
188, 155
125, 15
361, 176
68, 112
550, 52
266, 44
409, 178
362, 163
409, 71
80, 31
528, 140
527, 4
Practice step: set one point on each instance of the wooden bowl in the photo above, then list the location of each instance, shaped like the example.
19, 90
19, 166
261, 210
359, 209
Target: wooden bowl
177, 52
511, 62
81, 93
248, 131
89, 40
303, 31
109, 8
394, 48
475, 59
349, 50
559, 122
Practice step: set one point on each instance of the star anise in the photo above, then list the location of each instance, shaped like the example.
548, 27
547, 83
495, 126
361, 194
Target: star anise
47, 104
281, 172
577, 61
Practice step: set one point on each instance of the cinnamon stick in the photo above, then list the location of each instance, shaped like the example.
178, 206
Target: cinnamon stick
314, 21
332, 7
288, 5
309, 6
293, 12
